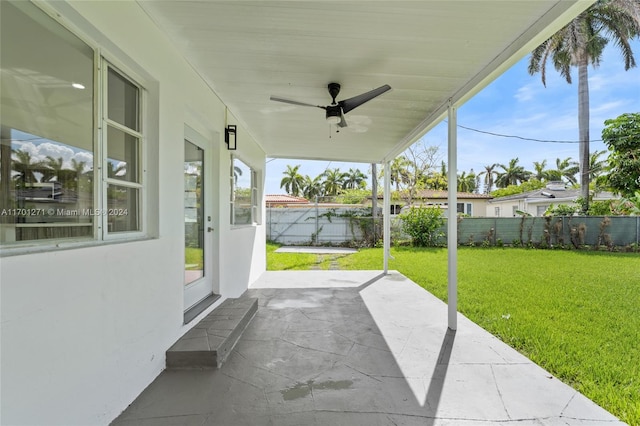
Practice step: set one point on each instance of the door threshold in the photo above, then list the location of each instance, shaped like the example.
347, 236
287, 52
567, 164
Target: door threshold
199, 307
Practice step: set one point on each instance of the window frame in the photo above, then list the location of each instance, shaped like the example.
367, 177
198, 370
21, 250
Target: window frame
255, 194
105, 123
467, 208
103, 59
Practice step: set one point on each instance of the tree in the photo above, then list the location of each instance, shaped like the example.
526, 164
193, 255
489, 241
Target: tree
540, 172
77, 167
399, 169
622, 137
596, 166
421, 162
312, 188
567, 169
437, 180
354, 179
292, 181
55, 168
580, 43
22, 164
530, 185
333, 179
512, 174
489, 173
77, 174
467, 182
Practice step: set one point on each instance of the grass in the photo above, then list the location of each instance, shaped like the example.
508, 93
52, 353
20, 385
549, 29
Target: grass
288, 261
193, 257
577, 314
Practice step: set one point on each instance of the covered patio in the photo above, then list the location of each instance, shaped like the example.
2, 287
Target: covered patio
361, 348
334, 347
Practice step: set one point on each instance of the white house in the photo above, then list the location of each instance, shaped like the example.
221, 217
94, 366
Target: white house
538, 201
127, 105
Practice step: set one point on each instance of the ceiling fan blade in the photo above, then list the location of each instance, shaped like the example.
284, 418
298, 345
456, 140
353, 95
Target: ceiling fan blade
351, 103
343, 122
289, 101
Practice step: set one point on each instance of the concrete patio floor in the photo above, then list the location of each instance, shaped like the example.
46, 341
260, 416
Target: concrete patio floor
360, 348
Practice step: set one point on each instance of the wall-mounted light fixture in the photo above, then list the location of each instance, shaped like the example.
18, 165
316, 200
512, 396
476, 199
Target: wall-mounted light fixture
230, 137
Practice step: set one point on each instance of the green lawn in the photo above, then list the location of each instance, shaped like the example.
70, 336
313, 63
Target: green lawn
575, 313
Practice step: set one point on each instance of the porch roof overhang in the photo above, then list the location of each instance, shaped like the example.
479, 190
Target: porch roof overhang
432, 53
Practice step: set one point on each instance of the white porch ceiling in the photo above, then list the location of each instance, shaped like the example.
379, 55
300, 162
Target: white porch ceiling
427, 51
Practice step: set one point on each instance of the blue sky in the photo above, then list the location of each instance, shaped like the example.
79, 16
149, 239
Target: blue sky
518, 104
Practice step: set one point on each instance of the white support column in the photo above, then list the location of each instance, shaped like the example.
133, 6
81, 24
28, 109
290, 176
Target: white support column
386, 214
452, 222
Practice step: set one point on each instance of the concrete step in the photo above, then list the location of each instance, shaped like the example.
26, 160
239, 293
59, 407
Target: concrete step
210, 342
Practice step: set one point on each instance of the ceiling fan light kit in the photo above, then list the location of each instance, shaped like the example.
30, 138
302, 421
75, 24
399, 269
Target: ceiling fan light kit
336, 111
334, 115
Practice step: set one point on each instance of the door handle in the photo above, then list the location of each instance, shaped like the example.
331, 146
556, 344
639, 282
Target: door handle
209, 229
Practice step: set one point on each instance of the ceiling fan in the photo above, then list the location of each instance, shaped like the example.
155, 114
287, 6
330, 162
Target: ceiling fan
336, 111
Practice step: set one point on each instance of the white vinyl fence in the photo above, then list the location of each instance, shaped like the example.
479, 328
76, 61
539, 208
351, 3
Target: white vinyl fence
353, 224
319, 225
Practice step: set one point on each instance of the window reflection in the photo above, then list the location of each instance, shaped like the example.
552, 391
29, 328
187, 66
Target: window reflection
242, 203
47, 128
47, 188
122, 155
193, 212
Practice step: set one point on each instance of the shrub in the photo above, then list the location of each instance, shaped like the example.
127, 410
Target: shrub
423, 225
561, 210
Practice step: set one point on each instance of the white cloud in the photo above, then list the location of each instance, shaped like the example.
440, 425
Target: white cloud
43, 150
526, 93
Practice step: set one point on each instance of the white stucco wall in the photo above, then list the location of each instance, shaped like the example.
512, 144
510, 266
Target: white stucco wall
85, 330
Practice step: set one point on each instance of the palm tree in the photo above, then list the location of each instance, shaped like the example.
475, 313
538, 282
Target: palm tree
23, 165
467, 182
399, 169
354, 179
580, 43
55, 168
77, 173
78, 167
333, 179
596, 166
539, 170
512, 174
292, 181
312, 188
489, 175
567, 169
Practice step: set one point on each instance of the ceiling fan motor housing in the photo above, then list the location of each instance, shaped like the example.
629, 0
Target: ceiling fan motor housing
334, 114
334, 90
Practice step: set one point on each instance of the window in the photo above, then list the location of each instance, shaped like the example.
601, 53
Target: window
123, 146
541, 210
57, 179
497, 211
244, 194
465, 208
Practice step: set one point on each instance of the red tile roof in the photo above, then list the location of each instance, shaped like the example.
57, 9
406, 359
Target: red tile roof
284, 199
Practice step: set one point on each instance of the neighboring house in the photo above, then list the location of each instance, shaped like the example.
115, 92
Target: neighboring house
468, 203
537, 202
161, 112
284, 200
